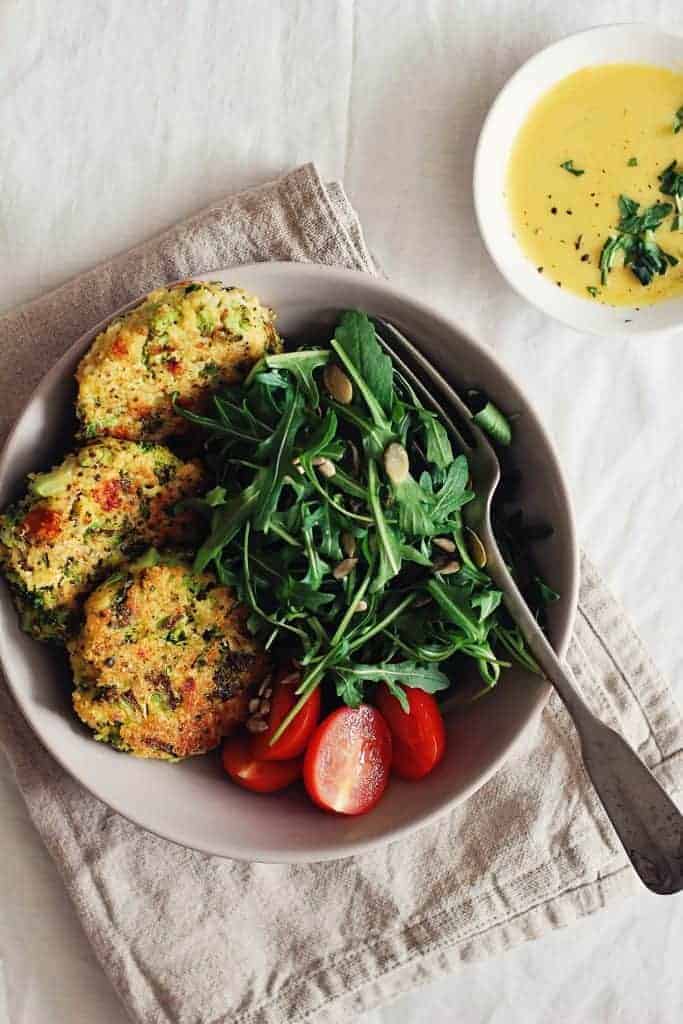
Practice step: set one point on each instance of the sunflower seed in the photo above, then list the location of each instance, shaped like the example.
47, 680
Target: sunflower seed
444, 543
344, 568
265, 707
362, 606
447, 568
267, 693
264, 683
255, 724
254, 705
324, 466
348, 543
396, 462
291, 680
421, 601
338, 384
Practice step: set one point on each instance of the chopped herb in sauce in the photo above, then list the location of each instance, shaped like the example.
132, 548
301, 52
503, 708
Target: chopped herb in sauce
593, 291
678, 120
633, 162
672, 185
568, 165
635, 238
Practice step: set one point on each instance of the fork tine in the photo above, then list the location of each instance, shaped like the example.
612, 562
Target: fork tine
426, 397
468, 431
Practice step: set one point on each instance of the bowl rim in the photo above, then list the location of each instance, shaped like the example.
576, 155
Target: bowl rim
487, 235
358, 846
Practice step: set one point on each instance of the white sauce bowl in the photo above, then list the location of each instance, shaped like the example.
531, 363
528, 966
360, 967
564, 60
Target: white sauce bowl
609, 44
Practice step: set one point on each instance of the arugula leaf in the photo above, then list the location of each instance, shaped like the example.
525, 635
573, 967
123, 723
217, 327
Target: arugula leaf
375, 437
568, 165
387, 540
548, 595
396, 675
413, 506
368, 365
456, 606
494, 423
301, 363
453, 494
297, 593
439, 450
487, 601
397, 691
349, 688
279, 525
279, 452
323, 436
216, 496
411, 554
317, 568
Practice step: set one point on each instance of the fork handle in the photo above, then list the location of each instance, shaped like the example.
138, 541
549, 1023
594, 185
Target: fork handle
645, 818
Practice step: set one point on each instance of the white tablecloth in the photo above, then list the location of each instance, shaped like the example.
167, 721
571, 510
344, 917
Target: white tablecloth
118, 118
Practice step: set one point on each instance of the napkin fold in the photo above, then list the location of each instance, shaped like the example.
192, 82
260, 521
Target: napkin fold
191, 939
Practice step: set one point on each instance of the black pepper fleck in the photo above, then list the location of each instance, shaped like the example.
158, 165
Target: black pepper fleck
553, 209
539, 269
585, 258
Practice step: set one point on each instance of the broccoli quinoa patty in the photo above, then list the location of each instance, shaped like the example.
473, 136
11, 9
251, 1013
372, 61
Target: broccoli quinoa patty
184, 341
164, 662
85, 517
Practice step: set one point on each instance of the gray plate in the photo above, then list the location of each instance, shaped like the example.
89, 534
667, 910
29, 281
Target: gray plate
192, 803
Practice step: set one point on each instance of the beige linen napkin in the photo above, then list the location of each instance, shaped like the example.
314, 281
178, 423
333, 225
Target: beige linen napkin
191, 939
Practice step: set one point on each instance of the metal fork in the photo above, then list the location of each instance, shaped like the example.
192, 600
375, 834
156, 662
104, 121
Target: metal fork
647, 821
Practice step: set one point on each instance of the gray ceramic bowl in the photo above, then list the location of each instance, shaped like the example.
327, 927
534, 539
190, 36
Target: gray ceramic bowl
192, 803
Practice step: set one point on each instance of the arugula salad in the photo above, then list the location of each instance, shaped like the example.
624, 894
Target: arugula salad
337, 517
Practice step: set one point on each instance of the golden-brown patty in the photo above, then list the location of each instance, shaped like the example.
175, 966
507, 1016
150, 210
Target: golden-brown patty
185, 341
164, 661
85, 517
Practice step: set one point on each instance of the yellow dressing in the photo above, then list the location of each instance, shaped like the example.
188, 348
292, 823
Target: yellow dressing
599, 118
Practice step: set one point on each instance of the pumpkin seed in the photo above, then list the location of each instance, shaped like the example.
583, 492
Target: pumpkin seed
346, 566
396, 462
444, 543
324, 466
447, 568
348, 543
476, 548
338, 384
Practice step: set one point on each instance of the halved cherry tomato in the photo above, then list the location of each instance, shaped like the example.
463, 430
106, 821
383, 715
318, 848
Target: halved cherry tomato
347, 763
294, 739
259, 776
419, 736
